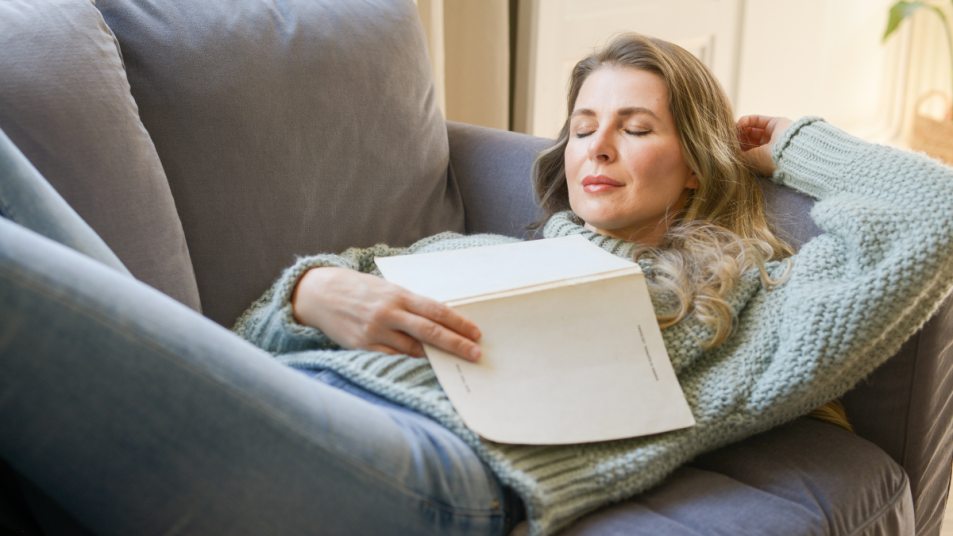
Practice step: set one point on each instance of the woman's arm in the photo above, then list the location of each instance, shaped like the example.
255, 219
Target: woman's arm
359, 310
339, 301
885, 260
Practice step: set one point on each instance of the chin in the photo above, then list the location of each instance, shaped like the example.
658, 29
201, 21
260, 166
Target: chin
599, 225
598, 218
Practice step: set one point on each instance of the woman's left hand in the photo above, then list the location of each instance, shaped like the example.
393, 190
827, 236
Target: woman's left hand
758, 134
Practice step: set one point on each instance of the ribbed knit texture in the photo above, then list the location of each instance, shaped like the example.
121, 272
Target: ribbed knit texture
856, 294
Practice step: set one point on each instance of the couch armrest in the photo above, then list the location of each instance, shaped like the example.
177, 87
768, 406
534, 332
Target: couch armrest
492, 168
906, 407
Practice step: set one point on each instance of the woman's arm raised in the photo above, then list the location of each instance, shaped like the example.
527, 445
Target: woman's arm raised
882, 266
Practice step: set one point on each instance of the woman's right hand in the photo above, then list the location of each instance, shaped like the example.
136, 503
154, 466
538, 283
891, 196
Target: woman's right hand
358, 310
758, 135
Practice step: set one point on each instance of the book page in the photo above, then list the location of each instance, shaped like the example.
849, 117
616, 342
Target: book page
571, 360
466, 273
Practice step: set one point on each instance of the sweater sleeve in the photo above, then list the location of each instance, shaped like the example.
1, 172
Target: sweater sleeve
882, 266
269, 323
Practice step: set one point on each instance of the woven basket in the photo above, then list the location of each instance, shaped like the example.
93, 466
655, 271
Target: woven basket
933, 137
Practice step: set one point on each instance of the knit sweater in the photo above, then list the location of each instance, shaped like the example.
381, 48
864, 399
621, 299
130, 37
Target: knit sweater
856, 293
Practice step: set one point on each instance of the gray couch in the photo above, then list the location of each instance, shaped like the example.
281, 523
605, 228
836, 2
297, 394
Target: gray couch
210, 142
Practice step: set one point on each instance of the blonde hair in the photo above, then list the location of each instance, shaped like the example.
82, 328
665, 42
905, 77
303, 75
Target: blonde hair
722, 230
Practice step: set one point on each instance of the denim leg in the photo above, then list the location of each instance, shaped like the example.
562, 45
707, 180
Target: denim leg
431, 441
28, 199
140, 416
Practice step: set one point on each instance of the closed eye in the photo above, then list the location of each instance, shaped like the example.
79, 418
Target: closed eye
638, 132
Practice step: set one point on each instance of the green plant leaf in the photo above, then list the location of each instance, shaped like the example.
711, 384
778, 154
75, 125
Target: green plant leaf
939, 12
898, 12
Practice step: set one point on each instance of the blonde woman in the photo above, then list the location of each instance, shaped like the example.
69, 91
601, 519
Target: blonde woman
649, 165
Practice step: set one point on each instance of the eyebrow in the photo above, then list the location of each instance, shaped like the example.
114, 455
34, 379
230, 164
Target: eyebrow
625, 112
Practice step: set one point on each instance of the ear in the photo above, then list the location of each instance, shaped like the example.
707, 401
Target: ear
692, 182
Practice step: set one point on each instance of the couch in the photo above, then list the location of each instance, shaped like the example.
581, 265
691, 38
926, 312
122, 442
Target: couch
209, 143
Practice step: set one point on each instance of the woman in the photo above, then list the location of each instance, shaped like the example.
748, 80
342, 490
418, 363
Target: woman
651, 165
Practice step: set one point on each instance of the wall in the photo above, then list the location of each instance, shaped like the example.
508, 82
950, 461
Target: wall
555, 34
470, 51
776, 57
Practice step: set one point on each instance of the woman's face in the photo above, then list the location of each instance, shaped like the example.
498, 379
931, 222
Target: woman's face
624, 166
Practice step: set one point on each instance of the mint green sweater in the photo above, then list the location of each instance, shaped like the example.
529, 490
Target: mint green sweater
855, 294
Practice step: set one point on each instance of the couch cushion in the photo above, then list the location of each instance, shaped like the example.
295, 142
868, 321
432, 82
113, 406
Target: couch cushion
28, 199
804, 478
288, 127
65, 103
493, 169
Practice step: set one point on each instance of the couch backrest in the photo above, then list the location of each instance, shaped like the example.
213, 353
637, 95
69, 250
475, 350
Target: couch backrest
287, 128
65, 103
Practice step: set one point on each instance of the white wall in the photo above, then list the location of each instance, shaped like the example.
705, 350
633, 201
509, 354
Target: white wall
930, 68
476, 38
822, 57
775, 57
555, 34
469, 47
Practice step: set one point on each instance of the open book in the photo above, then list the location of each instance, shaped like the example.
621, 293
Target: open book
572, 352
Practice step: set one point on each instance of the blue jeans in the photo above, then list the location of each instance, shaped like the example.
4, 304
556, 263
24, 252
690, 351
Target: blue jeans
140, 416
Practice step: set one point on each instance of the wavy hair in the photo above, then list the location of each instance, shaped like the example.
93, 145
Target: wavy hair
722, 231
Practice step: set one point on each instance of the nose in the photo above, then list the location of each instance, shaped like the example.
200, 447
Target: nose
602, 146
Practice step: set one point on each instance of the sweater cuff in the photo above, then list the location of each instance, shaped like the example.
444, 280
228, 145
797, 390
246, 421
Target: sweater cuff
813, 157
270, 323
286, 284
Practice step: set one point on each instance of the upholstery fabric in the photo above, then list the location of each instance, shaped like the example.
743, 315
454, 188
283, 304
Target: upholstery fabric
493, 170
905, 407
288, 127
28, 199
803, 478
787, 210
15, 515
65, 103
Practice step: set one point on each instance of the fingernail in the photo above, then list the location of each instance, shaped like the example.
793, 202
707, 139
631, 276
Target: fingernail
475, 353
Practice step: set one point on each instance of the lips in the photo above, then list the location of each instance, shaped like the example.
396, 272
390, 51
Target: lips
597, 184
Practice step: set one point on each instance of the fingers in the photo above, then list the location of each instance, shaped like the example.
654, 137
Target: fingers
751, 138
758, 134
753, 131
363, 311
436, 334
761, 129
403, 320
755, 121
397, 330
442, 314
445, 328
